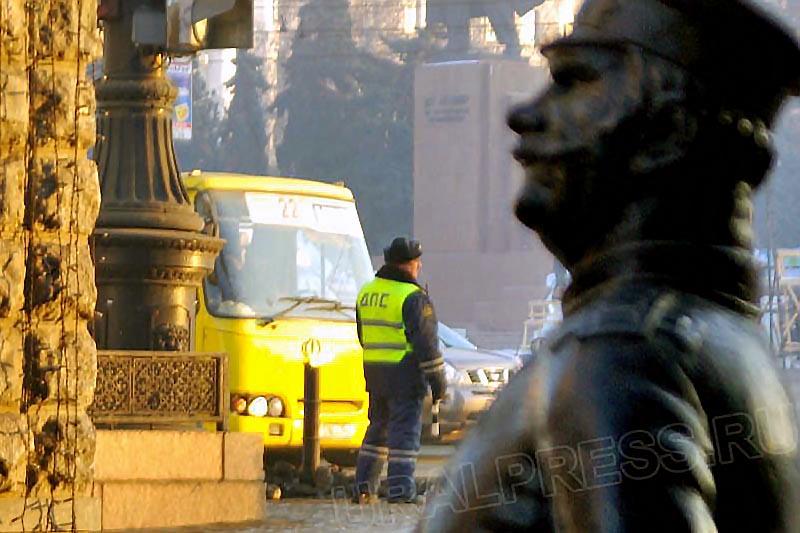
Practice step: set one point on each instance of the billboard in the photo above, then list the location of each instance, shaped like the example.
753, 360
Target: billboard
180, 73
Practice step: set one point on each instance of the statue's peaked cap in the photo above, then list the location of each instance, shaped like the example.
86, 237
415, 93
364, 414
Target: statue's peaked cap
737, 50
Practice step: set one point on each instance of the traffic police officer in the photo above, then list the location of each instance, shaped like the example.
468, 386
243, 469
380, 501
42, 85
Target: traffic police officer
398, 330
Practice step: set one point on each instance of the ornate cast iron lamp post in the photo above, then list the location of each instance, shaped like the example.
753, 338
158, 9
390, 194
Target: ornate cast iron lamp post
150, 255
150, 250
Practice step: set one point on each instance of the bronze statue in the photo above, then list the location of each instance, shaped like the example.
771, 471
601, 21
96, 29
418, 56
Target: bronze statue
657, 405
456, 14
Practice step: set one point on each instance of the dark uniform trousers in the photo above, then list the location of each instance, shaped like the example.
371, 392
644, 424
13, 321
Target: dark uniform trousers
395, 424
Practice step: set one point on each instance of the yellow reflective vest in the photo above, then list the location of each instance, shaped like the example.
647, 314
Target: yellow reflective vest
380, 311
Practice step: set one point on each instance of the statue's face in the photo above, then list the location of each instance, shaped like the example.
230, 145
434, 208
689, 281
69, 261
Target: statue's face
575, 148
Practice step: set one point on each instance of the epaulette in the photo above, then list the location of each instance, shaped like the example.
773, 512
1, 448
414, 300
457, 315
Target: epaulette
649, 313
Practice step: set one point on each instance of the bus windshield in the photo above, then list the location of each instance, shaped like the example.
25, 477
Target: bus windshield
287, 255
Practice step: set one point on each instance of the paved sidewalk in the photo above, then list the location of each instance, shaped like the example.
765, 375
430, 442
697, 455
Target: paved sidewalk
326, 515
322, 516
338, 514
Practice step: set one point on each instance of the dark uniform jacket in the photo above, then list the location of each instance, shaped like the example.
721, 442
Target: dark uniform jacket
422, 332
658, 407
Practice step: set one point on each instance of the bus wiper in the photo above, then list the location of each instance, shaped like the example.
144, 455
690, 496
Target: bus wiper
309, 300
337, 307
297, 301
263, 321
333, 305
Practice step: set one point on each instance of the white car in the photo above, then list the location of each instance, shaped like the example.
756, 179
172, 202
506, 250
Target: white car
474, 377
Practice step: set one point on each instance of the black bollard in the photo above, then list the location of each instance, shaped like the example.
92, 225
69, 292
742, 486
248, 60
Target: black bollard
311, 404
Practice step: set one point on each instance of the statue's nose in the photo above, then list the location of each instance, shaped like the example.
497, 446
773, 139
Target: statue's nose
526, 118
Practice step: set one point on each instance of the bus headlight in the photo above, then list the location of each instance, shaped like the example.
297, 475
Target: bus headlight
258, 406
238, 404
275, 407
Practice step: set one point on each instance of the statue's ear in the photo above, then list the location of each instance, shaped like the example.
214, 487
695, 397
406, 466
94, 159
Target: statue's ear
666, 139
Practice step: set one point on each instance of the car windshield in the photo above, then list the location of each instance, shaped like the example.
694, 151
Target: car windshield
451, 339
287, 254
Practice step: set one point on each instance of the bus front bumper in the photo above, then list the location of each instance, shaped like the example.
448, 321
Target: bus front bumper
339, 432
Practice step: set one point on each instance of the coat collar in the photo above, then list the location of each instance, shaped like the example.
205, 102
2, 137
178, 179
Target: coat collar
725, 275
393, 273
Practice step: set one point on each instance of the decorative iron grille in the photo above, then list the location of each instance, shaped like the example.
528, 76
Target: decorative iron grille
160, 388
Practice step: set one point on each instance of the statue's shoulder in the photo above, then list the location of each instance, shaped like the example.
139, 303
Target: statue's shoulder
648, 311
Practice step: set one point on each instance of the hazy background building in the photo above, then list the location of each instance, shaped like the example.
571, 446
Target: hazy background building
329, 93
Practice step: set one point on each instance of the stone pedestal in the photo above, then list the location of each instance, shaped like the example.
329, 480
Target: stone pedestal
481, 264
179, 478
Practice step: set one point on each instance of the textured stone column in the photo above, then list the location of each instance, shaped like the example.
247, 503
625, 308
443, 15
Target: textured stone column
13, 161
49, 199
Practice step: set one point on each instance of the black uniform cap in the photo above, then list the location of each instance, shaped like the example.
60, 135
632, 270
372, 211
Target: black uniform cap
402, 250
744, 57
